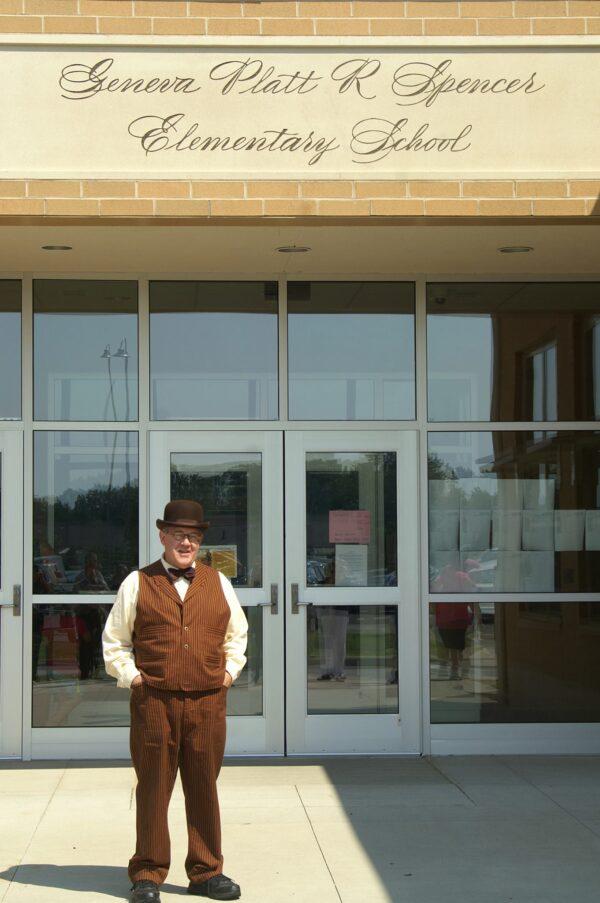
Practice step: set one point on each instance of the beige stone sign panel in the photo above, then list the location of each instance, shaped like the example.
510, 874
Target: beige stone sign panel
268, 112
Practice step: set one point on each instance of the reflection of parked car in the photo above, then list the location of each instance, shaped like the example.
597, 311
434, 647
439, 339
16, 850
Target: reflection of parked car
381, 577
484, 575
51, 573
315, 572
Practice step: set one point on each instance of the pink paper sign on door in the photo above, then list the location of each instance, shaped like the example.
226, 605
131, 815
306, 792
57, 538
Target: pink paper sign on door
350, 526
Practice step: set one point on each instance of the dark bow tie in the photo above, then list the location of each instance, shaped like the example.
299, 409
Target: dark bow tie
176, 573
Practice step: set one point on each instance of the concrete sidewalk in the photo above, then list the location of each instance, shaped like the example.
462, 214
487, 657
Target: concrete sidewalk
507, 829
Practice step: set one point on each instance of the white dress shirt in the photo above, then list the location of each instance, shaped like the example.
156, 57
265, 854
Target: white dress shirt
117, 642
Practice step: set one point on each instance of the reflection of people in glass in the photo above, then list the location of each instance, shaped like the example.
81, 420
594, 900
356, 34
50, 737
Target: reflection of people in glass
452, 619
89, 635
332, 621
333, 627
64, 632
91, 578
121, 571
49, 569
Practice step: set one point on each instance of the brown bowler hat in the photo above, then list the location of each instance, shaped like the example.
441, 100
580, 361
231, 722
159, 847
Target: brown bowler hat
183, 513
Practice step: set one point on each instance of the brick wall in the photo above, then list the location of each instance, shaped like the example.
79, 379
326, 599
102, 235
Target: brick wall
102, 198
301, 17
184, 199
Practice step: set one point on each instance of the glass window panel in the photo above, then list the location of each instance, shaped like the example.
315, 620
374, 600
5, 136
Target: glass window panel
514, 512
352, 656
85, 511
10, 349
213, 350
70, 686
229, 485
351, 532
85, 350
513, 351
334, 374
245, 697
514, 662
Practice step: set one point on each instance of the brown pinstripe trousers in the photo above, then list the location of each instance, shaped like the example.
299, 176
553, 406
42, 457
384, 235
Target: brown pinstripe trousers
173, 729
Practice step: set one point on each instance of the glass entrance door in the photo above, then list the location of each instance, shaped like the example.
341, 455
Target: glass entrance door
350, 612
238, 477
352, 635
11, 577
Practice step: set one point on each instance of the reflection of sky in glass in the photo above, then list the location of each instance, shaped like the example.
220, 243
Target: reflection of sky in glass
85, 511
10, 365
468, 454
68, 463
71, 379
351, 366
459, 367
208, 364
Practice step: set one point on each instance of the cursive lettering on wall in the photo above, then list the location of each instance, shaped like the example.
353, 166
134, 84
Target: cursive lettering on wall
254, 77
420, 82
80, 82
374, 139
156, 134
313, 129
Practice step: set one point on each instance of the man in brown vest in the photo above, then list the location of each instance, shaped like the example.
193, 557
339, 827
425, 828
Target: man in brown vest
176, 635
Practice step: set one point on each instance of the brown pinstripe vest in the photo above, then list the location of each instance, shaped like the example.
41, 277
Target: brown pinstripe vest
179, 645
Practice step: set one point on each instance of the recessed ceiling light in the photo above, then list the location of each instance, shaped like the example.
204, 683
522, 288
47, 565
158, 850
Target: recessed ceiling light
293, 249
515, 249
57, 248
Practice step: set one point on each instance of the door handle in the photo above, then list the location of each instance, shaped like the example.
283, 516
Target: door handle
273, 603
296, 603
16, 602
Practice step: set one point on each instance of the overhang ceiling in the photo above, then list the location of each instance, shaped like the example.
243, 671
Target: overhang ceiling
244, 250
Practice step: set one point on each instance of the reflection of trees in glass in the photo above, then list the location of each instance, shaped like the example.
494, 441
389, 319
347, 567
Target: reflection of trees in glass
225, 490
438, 469
477, 497
225, 497
100, 521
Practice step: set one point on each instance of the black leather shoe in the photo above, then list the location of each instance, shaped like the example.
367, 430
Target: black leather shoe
145, 892
218, 888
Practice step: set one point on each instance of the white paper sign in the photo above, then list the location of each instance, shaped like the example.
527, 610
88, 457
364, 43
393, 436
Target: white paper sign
443, 494
443, 530
538, 531
477, 492
440, 560
538, 494
537, 572
569, 527
351, 564
509, 495
592, 531
508, 572
506, 529
475, 529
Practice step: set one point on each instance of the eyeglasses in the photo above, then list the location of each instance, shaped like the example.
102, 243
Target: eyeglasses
178, 535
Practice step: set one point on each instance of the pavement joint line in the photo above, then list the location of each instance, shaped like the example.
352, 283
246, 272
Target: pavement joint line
9, 882
553, 801
318, 844
35, 830
453, 782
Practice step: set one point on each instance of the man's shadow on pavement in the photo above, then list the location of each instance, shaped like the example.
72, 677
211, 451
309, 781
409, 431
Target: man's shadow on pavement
98, 879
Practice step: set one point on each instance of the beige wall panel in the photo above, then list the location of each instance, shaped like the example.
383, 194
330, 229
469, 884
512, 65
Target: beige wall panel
274, 113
